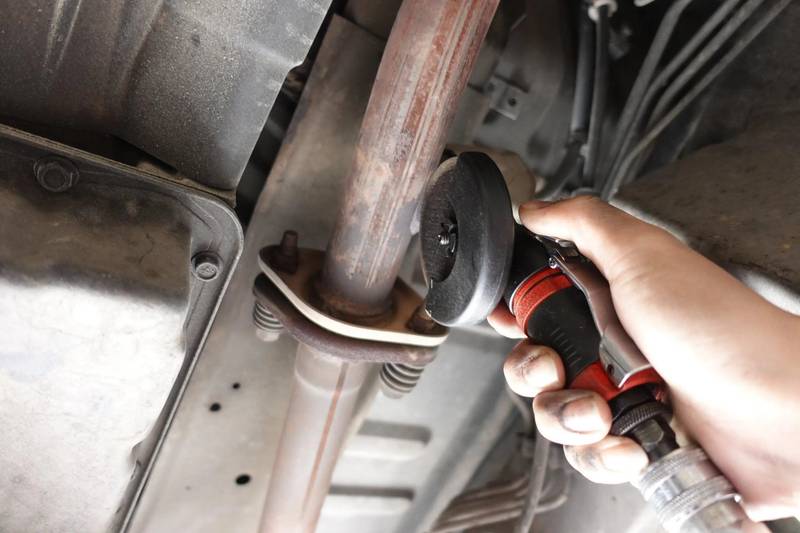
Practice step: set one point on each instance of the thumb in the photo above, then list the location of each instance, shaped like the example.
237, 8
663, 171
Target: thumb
604, 234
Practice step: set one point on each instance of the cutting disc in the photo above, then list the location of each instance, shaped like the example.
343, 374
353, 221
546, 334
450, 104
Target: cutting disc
467, 236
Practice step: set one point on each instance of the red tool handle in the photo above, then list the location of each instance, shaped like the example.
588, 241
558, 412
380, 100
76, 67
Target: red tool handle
553, 312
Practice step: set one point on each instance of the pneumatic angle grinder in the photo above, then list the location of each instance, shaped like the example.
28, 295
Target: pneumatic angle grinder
475, 255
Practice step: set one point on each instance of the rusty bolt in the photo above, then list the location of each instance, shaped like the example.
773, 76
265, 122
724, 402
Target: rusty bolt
55, 174
285, 257
421, 321
206, 266
289, 243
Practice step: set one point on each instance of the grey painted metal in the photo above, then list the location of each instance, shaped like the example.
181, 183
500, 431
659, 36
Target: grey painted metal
538, 67
505, 97
189, 82
102, 319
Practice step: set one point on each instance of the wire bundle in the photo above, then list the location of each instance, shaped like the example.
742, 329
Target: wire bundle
658, 97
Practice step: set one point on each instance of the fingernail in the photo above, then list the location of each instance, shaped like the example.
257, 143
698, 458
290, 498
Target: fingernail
624, 458
539, 371
582, 415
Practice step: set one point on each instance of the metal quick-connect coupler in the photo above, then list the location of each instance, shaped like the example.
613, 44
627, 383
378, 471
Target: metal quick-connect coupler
690, 494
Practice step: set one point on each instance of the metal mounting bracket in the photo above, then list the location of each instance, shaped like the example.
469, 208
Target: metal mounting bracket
298, 288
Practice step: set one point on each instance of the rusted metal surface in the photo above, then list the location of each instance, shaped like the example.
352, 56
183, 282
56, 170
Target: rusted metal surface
423, 71
428, 58
421, 321
206, 451
298, 288
345, 348
284, 257
324, 397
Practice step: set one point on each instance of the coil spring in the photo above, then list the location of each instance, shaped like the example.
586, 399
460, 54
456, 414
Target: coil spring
398, 379
267, 326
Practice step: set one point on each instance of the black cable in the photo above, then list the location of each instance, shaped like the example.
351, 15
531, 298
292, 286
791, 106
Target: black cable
643, 80
626, 169
705, 55
635, 125
599, 94
584, 72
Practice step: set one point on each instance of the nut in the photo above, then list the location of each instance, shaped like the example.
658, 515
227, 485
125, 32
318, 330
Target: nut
55, 174
206, 266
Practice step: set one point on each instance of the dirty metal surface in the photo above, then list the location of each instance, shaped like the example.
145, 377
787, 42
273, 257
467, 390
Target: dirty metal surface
189, 82
736, 202
304, 330
194, 485
415, 454
108, 281
206, 451
531, 89
298, 288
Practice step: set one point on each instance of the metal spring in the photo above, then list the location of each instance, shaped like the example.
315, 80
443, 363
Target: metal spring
264, 320
399, 378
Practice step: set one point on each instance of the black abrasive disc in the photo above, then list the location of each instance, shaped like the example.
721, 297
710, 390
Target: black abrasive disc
467, 236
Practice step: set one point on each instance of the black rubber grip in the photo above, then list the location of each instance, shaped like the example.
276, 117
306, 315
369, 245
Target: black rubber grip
564, 323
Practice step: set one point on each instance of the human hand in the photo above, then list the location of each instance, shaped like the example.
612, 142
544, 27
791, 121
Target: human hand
731, 359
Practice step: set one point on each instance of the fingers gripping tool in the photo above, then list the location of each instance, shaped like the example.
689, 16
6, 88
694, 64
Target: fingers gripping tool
475, 256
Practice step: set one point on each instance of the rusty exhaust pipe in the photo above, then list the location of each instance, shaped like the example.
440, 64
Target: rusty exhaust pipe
424, 69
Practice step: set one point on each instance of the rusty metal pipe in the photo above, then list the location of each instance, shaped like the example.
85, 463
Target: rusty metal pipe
323, 400
425, 67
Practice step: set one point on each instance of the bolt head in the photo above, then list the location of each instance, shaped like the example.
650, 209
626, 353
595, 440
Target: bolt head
206, 266
55, 174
